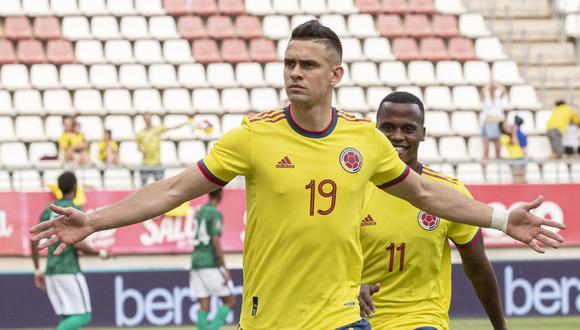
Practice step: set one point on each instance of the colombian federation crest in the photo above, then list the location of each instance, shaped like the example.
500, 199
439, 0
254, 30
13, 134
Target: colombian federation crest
351, 160
427, 221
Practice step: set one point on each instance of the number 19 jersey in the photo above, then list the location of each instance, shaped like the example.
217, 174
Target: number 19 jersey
302, 255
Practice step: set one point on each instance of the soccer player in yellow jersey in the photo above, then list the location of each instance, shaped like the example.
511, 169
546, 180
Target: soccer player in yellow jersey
406, 250
306, 169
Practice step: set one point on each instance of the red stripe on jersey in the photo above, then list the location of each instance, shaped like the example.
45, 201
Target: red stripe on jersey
440, 177
472, 242
208, 175
396, 180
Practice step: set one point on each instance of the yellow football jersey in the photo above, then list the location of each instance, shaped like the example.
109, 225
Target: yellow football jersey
302, 255
406, 250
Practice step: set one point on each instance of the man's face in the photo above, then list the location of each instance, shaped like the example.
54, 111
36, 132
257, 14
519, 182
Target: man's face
401, 124
310, 71
147, 119
67, 123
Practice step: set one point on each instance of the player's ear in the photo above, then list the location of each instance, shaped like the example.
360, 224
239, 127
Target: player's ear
424, 130
337, 73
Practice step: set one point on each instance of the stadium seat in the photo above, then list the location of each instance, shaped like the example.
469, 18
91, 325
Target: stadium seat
231, 7
395, 6
538, 147
204, 7
14, 76
88, 101
220, 27
449, 73
75, 28
221, 75
182, 133
461, 49
148, 51
286, 7
542, 117
133, 76
14, 154
147, 101
352, 99
572, 25
264, 99
139, 123
276, 27
248, 27
7, 129
575, 172
470, 173
473, 26
273, 73
452, 148
556, 173
192, 75
206, 51
57, 101
28, 102
336, 23
53, 127
418, 26
17, 28
445, 26
314, 7
118, 178
60, 52
364, 73
177, 100
263, 51
118, 101
121, 7
422, 7
168, 153
299, 19
368, 6
437, 123
533, 173
206, 100
466, 98
177, 51
11, 8
38, 150
191, 27
89, 52
524, 97
231, 121
476, 72
406, 49
393, 73
362, 26
451, 7
149, 7
377, 49
390, 26
465, 123
163, 76
489, 49
528, 126
93, 7
46, 28
281, 47
567, 6
375, 95
74, 76
428, 150
343, 7
134, 27
259, 7
121, 127
26, 180
422, 73
91, 126
7, 52
90, 178
351, 50
206, 127
433, 49
6, 108
498, 173
29, 128
36, 7
176, 7
506, 73
250, 75
119, 52
190, 152
438, 98
345, 81
30, 52
235, 51
103, 76
64, 7
105, 27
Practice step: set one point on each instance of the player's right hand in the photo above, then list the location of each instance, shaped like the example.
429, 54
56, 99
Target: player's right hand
39, 280
69, 227
365, 300
227, 276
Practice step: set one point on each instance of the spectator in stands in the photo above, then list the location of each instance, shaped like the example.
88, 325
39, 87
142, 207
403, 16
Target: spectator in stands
491, 117
108, 149
64, 141
79, 146
562, 116
571, 142
149, 143
515, 141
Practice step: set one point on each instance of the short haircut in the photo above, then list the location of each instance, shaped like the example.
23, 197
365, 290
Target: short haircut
403, 98
216, 193
108, 131
67, 182
560, 102
314, 31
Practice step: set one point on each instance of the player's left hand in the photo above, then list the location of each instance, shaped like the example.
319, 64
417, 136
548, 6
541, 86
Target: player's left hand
528, 228
367, 307
39, 280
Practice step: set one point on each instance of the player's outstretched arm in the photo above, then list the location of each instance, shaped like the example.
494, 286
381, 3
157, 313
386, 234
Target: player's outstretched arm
155, 199
447, 203
478, 269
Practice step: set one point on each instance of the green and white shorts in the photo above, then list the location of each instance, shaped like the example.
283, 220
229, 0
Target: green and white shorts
68, 293
207, 282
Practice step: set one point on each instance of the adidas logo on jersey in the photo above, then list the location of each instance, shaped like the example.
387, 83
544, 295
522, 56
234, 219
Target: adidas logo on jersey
285, 163
368, 221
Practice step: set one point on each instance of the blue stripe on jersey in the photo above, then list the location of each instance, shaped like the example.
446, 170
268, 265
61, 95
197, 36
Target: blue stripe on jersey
307, 133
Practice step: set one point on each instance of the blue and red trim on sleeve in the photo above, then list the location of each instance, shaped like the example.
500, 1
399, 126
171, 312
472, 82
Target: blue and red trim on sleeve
473, 240
397, 179
209, 175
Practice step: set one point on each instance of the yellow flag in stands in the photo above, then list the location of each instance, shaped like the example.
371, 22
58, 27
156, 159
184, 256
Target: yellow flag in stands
180, 211
80, 196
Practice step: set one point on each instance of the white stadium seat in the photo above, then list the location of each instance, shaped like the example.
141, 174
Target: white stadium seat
336, 23
362, 26
44, 76
163, 28
452, 148
190, 152
438, 98
428, 150
473, 26
88, 101
29, 128
105, 28
378, 49
299, 19
129, 153
163, 76
524, 97
259, 7
206, 127
53, 127
231, 121
506, 73
273, 74
352, 99
465, 123
121, 7
314, 7
476, 72
58, 101
415, 90
250, 75
73, 76
14, 76
286, 7
168, 153
538, 147
192, 75
470, 173
177, 51
489, 49
5, 182
149, 7
28, 101
38, 150
6, 108
466, 98
449, 73
422, 73
76, 28
181, 133
264, 99
117, 179
393, 73
364, 73
451, 7
352, 51
206, 100
14, 154
148, 51
556, 173
91, 126
118, 101
139, 123
7, 129
89, 52
437, 123
11, 8
133, 76
60, 7
119, 52
221, 75
147, 101
235, 100
103, 76
276, 27
375, 95
498, 173
93, 7
26, 180
134, 27
177, 100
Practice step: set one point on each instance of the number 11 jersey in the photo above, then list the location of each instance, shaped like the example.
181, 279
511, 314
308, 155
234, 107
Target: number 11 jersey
302, 254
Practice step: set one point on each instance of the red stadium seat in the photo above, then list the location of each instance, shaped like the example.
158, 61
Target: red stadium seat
7, 53
235, 51
176, 7
231, 7
30, 52
248, 27
395, 6
445, 26
220, 27
191, 27
206, 51
461, 49
263, 50
433, 49
418, 26
60, 52
369, 6
406, 49
204, 7
422, 6
390, 26
17, 28
46, 28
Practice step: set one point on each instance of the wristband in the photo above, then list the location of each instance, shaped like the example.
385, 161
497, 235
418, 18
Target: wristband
499, 219
104, 254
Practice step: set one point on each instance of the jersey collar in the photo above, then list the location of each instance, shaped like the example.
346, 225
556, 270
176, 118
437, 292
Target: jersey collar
420, 168
311, 134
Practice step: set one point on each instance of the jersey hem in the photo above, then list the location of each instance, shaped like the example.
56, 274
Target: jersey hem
209, 175
396, 180
471, 242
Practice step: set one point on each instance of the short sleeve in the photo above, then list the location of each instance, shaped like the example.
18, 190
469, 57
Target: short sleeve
45, 215
390, 169
63, 141
463, 235
230, 156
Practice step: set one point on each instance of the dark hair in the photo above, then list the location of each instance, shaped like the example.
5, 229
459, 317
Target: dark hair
216, 193
403, 98
313, 30
108, 131
518, 121
560, 102
67, 182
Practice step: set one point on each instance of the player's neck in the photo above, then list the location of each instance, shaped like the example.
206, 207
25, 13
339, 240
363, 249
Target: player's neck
69, 196
312, 118
414, 165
